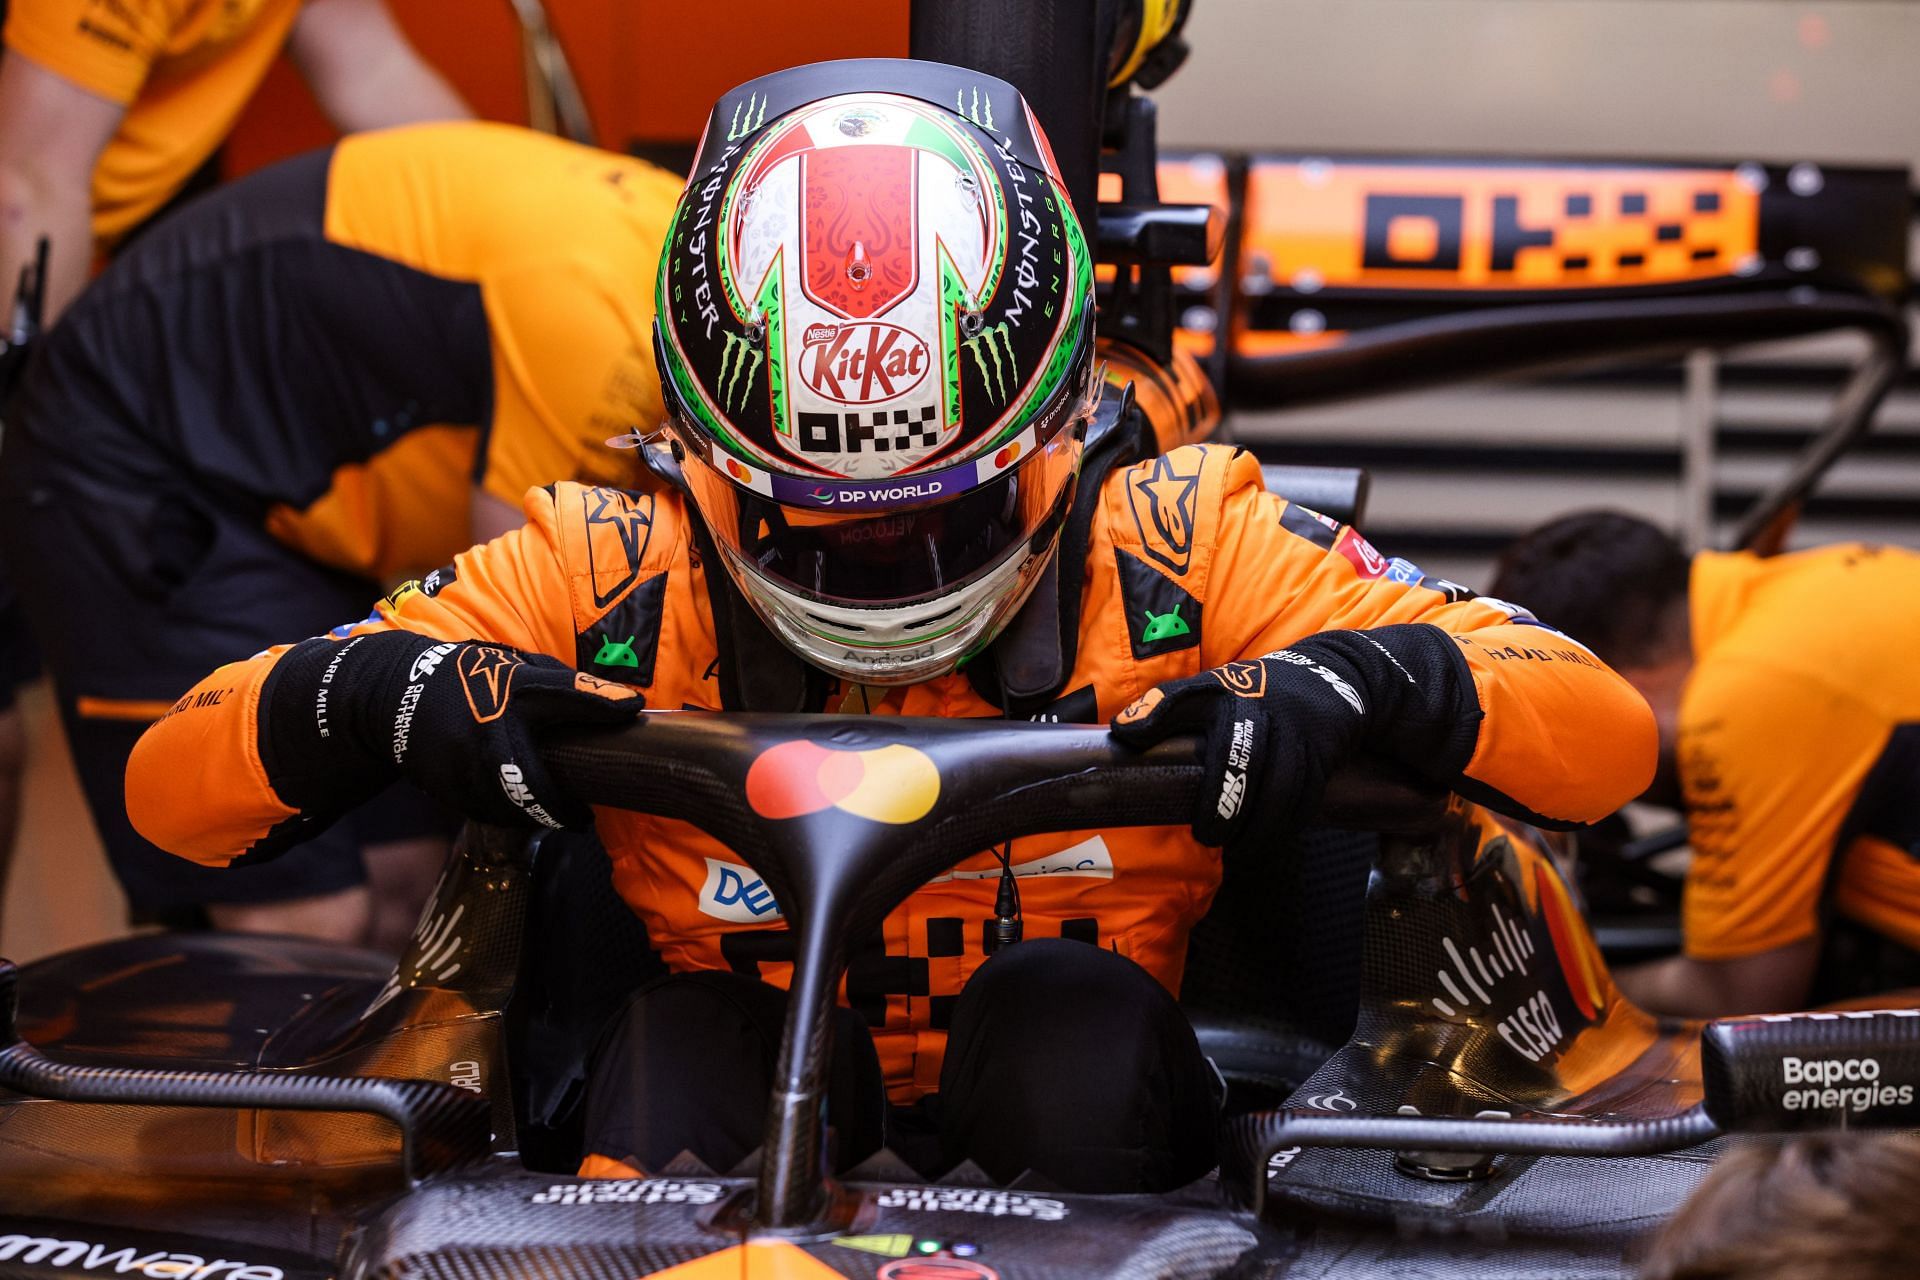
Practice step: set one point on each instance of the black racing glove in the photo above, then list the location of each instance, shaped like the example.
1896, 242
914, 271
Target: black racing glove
1273, 729
461, 720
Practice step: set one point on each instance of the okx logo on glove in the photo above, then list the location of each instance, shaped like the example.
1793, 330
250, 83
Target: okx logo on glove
1274, 728
461, 719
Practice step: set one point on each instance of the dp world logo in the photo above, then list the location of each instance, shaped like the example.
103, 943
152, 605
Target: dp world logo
822, 495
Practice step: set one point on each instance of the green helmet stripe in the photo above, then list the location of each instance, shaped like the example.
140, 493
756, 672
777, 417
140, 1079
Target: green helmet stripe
773, 315
927, 136
1080, 297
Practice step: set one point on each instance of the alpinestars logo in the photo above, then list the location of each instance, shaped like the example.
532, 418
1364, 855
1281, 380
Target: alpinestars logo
1233, 786
514, 783
429, 661
987, 345
740, 361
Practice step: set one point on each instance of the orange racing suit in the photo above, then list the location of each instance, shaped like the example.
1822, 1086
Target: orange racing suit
1190, 563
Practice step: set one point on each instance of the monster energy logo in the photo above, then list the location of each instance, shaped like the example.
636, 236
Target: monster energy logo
747, 116
981, 109
1004, 378
736, 375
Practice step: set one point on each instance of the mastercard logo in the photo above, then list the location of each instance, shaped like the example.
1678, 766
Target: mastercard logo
1004, 459
737, 471
892, 784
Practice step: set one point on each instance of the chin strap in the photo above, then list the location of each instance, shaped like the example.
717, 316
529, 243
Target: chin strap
1025, 668
757, 672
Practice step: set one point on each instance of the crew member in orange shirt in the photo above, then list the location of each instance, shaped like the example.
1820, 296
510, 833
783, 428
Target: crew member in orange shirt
107, 109
332, 373
876, 340
1788, 696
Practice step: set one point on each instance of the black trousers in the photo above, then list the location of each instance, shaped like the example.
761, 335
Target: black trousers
1062, 1058
136, 591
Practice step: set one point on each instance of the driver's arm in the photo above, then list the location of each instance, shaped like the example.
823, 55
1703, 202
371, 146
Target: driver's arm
1771, 764
363, 70
1509, 712
207, 783
1770, 981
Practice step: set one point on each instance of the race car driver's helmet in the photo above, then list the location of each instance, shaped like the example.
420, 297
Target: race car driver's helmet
875, 342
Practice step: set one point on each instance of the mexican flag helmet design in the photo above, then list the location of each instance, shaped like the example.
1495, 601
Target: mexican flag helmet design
875, 336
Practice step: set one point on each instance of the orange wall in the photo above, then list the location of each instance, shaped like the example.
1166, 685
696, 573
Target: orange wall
649, 69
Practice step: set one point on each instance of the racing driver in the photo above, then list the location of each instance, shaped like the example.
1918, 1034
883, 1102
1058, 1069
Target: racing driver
330, 374
875, 332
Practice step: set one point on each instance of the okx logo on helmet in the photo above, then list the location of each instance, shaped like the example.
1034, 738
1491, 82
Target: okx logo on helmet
875, 336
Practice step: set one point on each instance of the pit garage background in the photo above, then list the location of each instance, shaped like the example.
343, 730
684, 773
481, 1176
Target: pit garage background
1456, 471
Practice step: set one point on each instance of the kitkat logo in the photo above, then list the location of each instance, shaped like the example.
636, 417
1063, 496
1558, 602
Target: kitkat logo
862, 362
894, 784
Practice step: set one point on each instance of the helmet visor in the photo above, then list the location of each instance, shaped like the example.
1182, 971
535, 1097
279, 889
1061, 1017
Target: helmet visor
876, 559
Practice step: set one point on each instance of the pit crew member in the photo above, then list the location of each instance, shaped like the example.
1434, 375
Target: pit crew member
876, 333
331, 374
1789, 708
107, 112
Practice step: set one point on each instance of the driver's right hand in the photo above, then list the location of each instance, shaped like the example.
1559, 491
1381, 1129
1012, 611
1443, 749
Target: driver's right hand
460, 719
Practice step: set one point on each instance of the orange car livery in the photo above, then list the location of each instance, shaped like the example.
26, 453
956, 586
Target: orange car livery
1799, 747
1189, 564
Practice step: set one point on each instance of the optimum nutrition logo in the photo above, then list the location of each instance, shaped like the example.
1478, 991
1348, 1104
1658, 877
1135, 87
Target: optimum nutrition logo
740, 361
747, 116
988, 345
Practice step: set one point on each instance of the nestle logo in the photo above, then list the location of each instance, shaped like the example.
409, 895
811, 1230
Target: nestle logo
863, 362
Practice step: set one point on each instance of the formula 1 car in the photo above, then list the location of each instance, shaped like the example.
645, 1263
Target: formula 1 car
1429, 1068
257, 1109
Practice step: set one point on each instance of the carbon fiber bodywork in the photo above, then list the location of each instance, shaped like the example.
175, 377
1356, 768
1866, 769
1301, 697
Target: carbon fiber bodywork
1484, 1012
522, 1225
